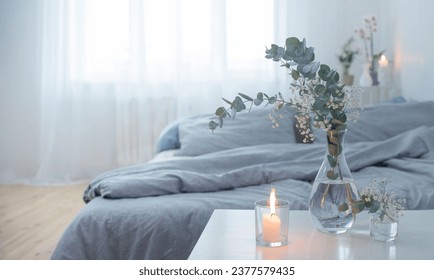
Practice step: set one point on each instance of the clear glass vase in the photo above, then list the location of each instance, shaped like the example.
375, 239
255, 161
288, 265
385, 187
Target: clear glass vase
383, 228
365, 78
333, 190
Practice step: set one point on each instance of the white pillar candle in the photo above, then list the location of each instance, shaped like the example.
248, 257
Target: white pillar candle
271, 222
271, 228
384, 71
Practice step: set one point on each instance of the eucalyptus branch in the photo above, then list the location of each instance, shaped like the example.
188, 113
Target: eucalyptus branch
239, 105
315, 88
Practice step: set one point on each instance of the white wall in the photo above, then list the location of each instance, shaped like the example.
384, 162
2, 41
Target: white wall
414, 41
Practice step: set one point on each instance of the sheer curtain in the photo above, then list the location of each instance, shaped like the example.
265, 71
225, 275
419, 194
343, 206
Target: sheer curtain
88, 85
114, 73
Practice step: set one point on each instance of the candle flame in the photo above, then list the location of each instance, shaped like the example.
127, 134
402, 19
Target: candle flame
273, 201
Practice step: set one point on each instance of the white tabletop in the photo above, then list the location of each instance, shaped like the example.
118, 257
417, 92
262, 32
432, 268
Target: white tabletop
230, 235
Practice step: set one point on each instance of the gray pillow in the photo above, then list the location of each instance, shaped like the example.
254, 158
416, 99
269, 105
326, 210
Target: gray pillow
247, 129
169, 138
386, 120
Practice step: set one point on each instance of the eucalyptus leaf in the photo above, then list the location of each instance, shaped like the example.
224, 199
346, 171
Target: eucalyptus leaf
286, 57
331, 160
227, 101
292, 42
308, 57
238, 104
343, 118
343, 207
213, 125
320, 89
272, 52
325, 96
333, 149
245, 96
257, 101
332, 175
357, 207
318, 105
307, 74
308, 68
336, 121
324, 112
221, 112
333, 77
335, 113
316, 64
375, 206
295, 74
333, 140
320, 118
279, 53
323, 72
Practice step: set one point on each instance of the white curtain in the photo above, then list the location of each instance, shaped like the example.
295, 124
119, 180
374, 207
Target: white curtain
114, 73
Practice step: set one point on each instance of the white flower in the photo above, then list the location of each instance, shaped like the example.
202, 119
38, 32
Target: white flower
389, 205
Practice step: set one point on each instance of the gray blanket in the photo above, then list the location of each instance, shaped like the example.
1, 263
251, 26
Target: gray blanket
255, 165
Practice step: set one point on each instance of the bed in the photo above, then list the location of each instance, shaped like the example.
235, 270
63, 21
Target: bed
158, 209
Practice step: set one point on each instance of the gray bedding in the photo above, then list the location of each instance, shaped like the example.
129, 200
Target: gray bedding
158, 210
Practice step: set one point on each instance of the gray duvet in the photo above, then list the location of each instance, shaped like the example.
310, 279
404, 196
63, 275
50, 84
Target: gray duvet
158, 210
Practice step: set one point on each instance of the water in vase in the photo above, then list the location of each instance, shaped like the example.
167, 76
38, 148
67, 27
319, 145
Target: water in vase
324, 203
384, 230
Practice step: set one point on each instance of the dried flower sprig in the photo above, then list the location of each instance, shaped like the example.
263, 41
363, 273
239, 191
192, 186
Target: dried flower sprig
378, 201
367, 35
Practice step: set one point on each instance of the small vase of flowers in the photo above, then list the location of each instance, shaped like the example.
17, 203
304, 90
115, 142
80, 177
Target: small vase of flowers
384, 207
367, 35
346, 59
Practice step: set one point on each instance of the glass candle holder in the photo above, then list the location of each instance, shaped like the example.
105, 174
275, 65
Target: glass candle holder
271, 228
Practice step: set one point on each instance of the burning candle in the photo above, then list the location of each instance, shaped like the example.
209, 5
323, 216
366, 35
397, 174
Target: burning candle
271, 222
383, 61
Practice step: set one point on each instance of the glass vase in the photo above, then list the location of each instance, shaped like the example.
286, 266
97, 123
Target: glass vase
373, 72
374, 77
333, 190
365, 78
383, 228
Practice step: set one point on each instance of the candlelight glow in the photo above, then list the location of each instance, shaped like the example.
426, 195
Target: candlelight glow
273, 201
383, 61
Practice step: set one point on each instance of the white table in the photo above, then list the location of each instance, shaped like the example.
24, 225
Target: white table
230, 235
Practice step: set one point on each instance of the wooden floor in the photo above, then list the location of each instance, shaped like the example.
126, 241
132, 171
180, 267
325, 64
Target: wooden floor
32, 218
